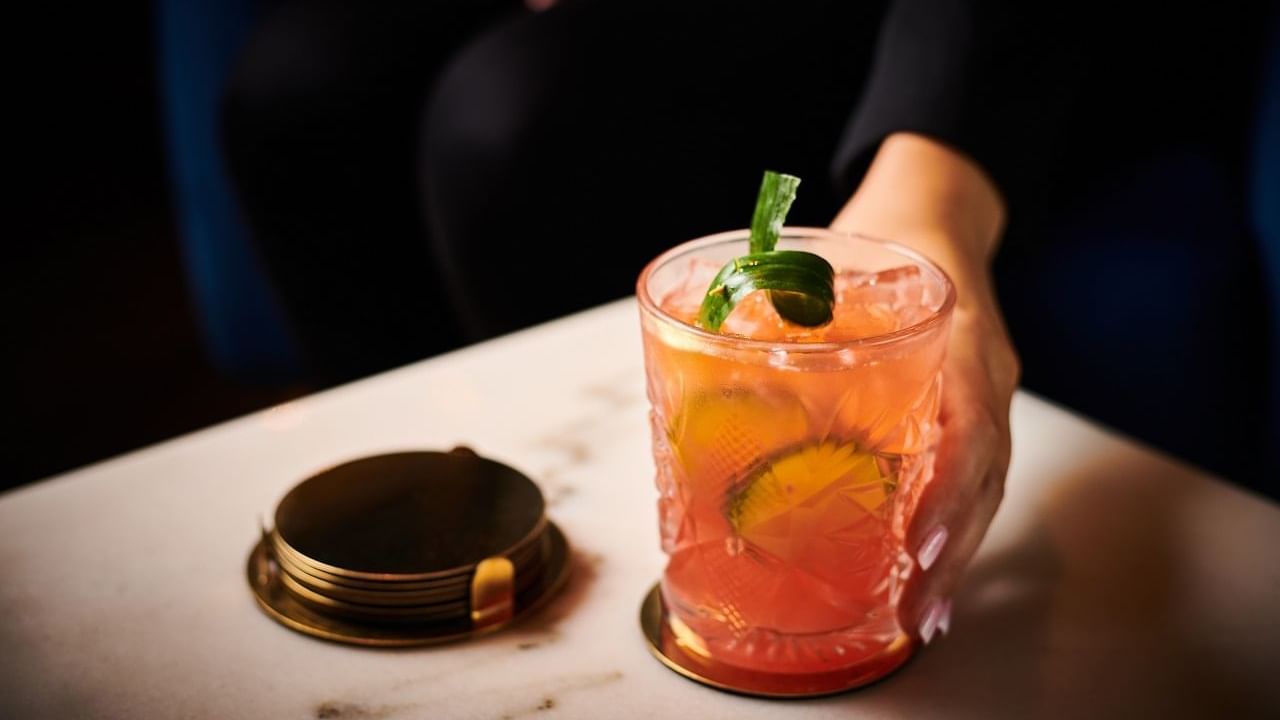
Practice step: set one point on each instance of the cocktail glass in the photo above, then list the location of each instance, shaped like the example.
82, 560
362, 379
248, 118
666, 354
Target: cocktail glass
789, 464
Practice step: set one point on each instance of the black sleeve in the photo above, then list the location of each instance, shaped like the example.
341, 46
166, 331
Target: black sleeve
990, 78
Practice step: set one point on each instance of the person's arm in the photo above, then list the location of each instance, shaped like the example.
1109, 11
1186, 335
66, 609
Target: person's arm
924, 194
955, 131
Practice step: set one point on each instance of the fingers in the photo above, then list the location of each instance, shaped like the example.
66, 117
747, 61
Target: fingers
968, 448
955, 508
931, 588
973, 452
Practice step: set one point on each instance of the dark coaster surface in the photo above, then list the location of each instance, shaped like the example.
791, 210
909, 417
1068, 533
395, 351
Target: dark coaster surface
412, 513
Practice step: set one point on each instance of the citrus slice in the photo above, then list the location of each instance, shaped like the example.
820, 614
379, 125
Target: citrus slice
718, 436
777, 489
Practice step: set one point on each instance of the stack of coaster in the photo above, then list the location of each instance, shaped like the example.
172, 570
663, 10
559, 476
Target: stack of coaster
408, 549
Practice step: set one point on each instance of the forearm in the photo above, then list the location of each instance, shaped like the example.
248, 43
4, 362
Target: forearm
924, 194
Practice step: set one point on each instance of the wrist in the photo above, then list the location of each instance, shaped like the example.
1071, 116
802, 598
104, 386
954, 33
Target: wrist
928, 196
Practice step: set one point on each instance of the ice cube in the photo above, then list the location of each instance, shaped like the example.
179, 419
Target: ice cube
876, 303
754, 317
684, 299
867, 304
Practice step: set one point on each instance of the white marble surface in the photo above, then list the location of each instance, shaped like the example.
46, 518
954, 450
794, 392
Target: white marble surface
1114, 583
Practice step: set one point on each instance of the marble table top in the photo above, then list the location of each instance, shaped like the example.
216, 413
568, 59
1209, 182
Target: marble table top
1115, 582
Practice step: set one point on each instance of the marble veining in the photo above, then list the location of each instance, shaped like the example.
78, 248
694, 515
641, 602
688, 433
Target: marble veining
555, 690
337, 710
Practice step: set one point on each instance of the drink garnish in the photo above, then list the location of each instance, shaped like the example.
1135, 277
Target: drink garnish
801, 285
773, 202
775, 489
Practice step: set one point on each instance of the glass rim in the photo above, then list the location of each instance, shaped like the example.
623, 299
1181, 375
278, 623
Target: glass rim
650, 306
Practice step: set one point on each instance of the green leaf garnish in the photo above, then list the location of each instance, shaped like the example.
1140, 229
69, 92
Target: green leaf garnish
777, 192
799, 281
801, 284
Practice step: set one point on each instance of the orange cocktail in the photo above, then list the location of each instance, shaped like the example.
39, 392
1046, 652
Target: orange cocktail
789, 459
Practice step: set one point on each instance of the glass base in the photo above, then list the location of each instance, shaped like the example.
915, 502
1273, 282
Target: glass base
670, 651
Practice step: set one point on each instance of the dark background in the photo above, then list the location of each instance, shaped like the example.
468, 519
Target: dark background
101, 348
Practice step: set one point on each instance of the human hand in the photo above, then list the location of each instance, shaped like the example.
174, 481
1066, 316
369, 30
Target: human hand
926, 195
979, 376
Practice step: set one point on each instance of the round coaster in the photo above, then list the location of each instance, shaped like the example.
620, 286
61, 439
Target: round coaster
667, 648
411, 516
457, 582
361, 611
397, 604
370, 597
265, 579
393, 597
527, 552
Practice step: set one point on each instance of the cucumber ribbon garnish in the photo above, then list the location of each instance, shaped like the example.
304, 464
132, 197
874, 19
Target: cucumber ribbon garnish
801, 285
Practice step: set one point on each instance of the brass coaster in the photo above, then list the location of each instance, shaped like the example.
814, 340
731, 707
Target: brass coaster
667, 648
388, 597
528, 551
526, 566
362, 611
371, 597
457, 582
394, 603
412, 516
265, 579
